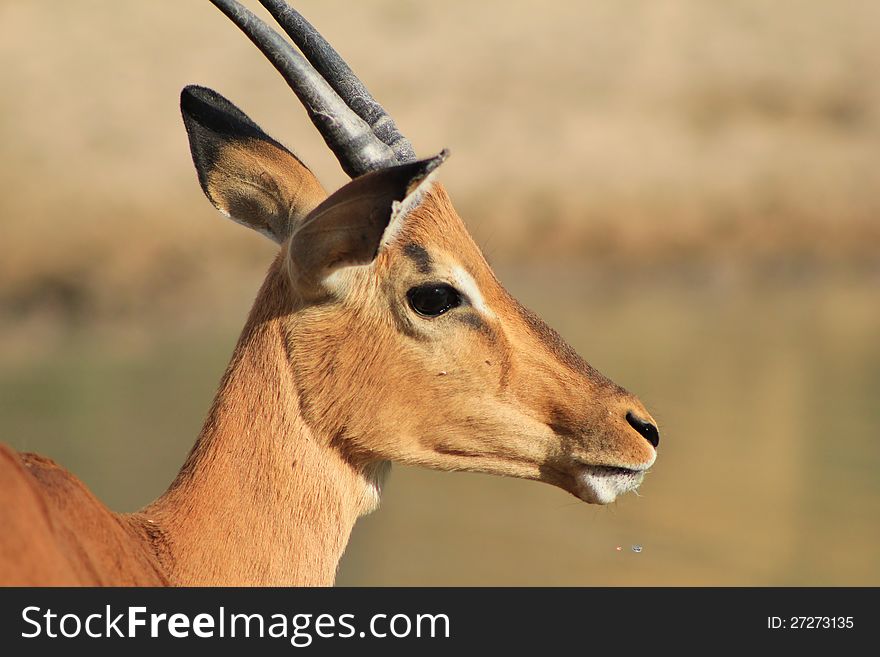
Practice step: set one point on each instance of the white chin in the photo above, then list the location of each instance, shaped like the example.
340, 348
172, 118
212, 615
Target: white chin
599, 484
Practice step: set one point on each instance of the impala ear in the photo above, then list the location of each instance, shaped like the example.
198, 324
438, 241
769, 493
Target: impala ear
355, 222
246, 174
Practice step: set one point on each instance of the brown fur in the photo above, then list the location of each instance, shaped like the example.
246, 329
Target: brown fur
325, 387
56, 533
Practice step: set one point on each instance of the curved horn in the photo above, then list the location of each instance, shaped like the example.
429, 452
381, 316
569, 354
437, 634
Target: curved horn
333, 68
353, 142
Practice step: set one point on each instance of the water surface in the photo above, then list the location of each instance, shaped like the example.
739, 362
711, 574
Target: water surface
766, 393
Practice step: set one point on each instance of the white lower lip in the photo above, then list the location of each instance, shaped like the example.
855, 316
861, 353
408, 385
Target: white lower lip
598, 484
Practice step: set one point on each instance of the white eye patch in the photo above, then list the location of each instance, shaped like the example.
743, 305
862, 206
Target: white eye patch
466, 284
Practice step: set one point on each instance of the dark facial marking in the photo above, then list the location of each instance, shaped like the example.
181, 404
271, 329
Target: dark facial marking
474, 321
419, 256
495, 338
561, 422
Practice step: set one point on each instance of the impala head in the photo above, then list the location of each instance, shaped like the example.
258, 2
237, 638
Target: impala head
404, 345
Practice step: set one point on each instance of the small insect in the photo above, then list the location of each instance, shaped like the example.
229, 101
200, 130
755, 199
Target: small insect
636, 548
618, 548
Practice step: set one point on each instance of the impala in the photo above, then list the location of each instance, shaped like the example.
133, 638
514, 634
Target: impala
379, 335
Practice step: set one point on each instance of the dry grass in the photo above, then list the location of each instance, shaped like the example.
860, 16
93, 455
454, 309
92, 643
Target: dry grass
641, 131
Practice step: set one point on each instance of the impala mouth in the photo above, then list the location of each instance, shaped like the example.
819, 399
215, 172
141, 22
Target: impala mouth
601, 484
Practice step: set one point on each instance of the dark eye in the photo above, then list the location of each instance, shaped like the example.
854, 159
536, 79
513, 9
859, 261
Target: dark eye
433, 299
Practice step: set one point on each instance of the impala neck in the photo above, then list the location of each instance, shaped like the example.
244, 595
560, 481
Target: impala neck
261, 500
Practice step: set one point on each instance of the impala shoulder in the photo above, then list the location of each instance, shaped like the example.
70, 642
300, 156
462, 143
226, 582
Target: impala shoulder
31, 486
28, 552
45, 510
18, 467
42, 471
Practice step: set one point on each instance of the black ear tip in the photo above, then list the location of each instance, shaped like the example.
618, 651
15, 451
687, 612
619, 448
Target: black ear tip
198, 101
207, 108
192, 95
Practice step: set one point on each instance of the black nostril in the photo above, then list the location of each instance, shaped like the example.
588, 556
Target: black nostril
648, 430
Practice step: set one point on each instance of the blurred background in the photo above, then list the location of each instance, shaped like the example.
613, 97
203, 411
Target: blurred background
688, 191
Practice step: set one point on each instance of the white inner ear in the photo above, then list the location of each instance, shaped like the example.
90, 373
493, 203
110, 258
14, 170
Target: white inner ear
399, 210
266, 232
